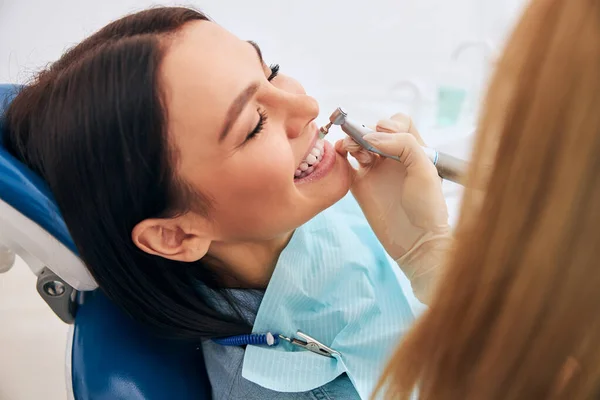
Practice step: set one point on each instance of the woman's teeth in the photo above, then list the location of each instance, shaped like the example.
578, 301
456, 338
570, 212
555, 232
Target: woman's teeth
307, 166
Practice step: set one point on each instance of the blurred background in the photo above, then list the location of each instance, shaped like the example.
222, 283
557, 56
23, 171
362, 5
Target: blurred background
429, 58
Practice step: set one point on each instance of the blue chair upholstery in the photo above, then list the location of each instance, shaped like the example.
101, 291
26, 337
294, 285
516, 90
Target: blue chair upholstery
112, 356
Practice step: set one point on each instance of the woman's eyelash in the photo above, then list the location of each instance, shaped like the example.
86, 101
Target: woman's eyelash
262, 120
274, 71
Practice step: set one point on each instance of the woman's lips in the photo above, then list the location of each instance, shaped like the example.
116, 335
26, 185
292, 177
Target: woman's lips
312, 144
323, 167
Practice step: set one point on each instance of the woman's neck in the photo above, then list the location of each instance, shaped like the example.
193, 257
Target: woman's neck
246, 264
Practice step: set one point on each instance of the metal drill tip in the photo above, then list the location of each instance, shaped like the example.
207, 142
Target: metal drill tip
324, 130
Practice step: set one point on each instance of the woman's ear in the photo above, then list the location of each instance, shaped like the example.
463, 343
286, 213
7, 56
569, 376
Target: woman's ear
179, 239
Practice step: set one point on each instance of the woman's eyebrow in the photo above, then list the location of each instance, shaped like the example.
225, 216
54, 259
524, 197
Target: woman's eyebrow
236, 108
243, 98
257, 48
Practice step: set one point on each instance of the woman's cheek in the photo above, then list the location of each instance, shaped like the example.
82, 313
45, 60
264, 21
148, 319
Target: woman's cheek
277, 166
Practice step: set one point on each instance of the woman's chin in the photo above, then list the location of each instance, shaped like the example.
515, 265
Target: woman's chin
342, 178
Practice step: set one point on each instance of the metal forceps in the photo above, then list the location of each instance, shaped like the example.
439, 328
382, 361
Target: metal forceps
311, 344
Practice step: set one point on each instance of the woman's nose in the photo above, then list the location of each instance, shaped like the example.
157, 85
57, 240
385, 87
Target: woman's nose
301, 110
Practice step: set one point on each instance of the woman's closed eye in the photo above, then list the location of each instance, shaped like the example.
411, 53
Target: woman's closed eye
261, 113
262, 120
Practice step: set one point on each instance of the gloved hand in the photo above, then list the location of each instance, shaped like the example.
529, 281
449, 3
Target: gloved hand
402, 201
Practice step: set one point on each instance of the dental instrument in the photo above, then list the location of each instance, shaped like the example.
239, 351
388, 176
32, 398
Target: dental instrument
256, 339
270, 339
312, 344
324, 130
449, 167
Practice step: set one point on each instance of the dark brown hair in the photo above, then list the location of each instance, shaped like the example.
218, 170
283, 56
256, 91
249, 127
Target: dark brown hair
94, 126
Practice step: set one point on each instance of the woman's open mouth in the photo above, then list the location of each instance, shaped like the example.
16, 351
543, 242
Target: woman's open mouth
317, 163
313, 158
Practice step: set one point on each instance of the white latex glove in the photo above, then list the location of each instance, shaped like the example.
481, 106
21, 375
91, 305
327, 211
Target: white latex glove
402, 201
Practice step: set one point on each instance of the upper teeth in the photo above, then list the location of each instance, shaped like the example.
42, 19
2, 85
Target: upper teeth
312, 159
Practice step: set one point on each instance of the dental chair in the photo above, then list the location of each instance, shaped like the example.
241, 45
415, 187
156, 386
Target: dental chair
109, 356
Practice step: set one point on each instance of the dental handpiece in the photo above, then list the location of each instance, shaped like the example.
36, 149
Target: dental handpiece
448, 167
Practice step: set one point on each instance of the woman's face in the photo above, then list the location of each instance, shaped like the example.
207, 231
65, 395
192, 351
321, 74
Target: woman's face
246, 139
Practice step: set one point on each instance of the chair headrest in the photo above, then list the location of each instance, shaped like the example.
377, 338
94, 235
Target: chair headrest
25, 192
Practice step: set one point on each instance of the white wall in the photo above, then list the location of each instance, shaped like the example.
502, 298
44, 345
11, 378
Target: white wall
351, 53
345, 52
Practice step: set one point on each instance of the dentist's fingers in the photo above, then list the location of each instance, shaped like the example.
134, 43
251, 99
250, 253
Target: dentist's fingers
391, 126
350, 145
361, 155
403, 145
347, 145
399, 123
339, 147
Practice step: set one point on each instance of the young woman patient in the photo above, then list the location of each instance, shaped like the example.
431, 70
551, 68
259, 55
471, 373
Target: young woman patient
182, 164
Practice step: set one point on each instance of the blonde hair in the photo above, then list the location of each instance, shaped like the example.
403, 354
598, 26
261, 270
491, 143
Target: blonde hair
517, 314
